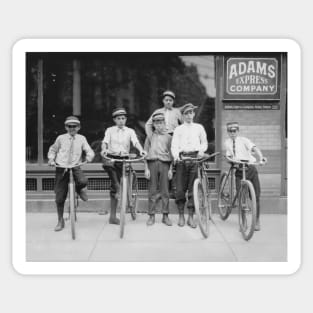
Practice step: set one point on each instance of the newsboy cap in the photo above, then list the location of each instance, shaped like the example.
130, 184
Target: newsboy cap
158, 116
187, 107
118, 112
232, 125
168, 93
72, 120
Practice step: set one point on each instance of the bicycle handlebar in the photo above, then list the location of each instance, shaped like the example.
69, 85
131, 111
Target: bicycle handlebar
68, 167
131, 159
245, 162
204, 158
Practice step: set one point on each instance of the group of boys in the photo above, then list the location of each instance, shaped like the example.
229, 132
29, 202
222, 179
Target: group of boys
171, 134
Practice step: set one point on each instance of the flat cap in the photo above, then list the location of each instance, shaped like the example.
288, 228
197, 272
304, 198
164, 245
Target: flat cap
168, 93
158, 116
187, 107
72, 120
118, 112
232, 125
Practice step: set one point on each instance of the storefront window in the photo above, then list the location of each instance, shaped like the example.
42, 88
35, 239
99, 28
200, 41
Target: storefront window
90, 85
31, 110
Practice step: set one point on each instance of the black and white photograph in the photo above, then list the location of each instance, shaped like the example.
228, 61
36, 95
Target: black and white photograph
141, 154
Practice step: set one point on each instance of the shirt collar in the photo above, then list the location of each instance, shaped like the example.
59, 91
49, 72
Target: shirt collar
166, 109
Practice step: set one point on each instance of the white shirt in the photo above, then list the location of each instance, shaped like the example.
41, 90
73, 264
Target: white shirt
67, 150
189, 138
243, 149
119, 139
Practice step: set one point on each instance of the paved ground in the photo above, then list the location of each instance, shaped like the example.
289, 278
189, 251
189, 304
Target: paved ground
99, 241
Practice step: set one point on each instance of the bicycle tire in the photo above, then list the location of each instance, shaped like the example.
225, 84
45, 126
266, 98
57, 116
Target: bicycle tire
72, 210
201, 207
224, 200
123, 203
132, 195
247, 210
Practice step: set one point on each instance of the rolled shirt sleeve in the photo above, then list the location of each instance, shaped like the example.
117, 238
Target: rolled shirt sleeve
175, 144
89, 152
54, 149
203, 139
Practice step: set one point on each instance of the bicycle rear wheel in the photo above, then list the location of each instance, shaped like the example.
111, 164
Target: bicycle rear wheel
72, 210
201, 207
224, 196
123, 203
247, 210
132, 195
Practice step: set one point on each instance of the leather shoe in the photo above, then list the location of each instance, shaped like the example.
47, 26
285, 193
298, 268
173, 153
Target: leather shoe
191, 222
257, 226
181, 220
83, 194
60, 225
166, 220
151, 220
114, 220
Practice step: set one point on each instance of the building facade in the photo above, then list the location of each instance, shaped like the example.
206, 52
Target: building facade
248, 88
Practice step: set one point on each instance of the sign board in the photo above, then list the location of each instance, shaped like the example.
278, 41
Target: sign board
251, 79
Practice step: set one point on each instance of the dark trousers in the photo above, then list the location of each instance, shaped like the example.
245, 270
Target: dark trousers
186, 173
253, 176
158, 184
115, 172
61, 185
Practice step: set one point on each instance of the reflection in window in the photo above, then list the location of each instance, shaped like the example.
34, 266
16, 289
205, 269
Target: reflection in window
133, 80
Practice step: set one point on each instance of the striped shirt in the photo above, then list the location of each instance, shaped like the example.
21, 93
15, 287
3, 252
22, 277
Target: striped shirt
67, 150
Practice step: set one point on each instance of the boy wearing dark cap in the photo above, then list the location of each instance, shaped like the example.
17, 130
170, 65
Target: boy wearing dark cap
158, 168
241, 148
115, 144
67, 152
172, 116
189, 140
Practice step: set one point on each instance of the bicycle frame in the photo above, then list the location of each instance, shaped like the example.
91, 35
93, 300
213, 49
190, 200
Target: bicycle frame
125, 184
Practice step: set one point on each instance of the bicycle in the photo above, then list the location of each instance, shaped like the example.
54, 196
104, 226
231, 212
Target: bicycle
73, 201
227, 197
128, 187
201, 193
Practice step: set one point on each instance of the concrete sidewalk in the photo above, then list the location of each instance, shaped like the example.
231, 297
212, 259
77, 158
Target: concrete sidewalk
99, 241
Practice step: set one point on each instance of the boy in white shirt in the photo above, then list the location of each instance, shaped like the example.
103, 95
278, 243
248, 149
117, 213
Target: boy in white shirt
241, 148
66, 152
115, 144
189, 139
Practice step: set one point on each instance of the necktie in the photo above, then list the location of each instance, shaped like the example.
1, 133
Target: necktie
70, 155
234, 147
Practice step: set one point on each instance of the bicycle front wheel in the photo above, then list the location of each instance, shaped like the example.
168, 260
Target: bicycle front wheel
224, 196
132, 195
72, 210
201, 207
123, 203
247, 210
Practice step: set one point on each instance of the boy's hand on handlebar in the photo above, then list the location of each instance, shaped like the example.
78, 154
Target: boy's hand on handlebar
104, 153
143, 153
200, 154
51, 163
